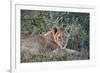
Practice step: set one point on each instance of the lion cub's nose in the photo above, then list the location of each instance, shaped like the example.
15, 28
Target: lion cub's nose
63, 45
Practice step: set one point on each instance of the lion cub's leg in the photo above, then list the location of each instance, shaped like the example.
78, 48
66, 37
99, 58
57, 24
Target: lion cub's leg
66, 51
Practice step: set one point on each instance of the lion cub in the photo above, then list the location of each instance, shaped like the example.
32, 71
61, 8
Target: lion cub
56, 38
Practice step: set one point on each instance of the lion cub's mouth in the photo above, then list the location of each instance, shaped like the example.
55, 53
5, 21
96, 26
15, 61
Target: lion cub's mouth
63, 47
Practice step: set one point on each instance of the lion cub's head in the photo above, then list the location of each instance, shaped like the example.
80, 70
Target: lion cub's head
61, 36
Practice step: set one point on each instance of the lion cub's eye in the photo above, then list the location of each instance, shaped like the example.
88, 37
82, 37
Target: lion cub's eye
65, 36
59, 37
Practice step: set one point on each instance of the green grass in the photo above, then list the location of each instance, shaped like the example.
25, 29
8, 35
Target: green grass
27, 57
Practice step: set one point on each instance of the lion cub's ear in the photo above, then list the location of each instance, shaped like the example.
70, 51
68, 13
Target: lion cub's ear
68, 30
55, 29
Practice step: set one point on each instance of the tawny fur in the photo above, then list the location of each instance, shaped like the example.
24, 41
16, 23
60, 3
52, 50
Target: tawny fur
56, 38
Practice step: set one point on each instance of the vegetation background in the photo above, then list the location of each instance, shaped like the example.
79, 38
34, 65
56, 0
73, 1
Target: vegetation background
38, 22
